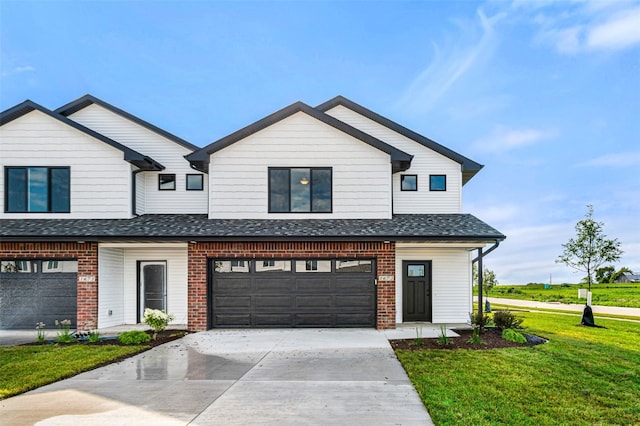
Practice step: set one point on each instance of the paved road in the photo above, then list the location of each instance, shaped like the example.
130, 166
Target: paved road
597, 309
236, 377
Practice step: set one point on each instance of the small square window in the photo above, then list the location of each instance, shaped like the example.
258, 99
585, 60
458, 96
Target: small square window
195, 183
409, 182
167, 182
437, 182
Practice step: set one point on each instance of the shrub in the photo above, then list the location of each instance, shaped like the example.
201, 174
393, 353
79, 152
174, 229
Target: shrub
476, 321
506, 319
156, 319
134, 337
513, 336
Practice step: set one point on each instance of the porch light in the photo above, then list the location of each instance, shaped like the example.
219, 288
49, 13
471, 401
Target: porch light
304, 181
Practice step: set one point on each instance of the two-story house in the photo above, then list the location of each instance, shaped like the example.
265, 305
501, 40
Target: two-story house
332, 216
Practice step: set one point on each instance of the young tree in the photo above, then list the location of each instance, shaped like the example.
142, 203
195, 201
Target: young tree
590, 249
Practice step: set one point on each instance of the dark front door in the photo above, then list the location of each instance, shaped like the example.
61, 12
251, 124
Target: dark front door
153, 286
416, 291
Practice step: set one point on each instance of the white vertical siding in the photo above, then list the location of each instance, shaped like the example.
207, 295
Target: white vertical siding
141, 183
451, 282
110, 287
176, 258
425, 162
166, 152
238, 174
100, 178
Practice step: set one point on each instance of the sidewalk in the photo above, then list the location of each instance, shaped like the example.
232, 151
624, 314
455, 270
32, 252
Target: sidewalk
572, 307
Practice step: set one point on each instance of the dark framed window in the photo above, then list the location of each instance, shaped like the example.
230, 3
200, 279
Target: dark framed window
437, 182
195, 182
408, 182
37, 189
167, 182
300, 190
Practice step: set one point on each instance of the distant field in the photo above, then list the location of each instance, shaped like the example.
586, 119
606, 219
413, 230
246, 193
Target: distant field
627, 295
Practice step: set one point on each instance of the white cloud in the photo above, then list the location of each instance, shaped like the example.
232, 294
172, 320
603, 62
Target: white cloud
503, 139
588, 26
621, 159
449, 64
18, 70
621, 31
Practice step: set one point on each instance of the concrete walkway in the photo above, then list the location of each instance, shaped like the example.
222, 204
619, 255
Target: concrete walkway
597, 309
237, 377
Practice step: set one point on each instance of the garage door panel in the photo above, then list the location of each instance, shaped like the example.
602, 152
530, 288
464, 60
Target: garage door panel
233, 302
353, 284
359, 301
273, 284
313, 320
233, 320
354, 320
273, 320
314, 285
313, 302
224, 284
281, 303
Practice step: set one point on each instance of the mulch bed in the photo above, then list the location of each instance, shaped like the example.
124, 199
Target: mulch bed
492, 338
163, 337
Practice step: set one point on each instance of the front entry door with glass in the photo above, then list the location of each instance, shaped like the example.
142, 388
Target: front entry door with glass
153, 286
416, 291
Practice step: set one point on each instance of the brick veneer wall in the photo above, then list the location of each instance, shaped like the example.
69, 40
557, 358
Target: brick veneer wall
384, 253
87, 256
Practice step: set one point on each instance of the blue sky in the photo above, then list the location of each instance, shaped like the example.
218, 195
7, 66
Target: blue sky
545, 94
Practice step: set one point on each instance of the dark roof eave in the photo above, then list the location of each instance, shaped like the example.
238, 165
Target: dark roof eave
86, 100
467, 164
202, 155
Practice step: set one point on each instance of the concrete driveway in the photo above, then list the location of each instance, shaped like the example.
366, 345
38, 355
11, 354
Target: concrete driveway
237, 377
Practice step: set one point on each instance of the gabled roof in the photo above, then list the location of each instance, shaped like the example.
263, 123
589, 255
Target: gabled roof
134, 157
197, 227
199, 159
469, 167
86, 100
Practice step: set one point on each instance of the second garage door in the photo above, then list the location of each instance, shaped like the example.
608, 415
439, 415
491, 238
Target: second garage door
292, 293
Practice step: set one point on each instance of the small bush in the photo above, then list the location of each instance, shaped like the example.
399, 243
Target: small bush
513, 336
506, 319
476, 321
134, 337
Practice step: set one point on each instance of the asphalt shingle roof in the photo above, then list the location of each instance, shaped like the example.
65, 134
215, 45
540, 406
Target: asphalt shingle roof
422, 227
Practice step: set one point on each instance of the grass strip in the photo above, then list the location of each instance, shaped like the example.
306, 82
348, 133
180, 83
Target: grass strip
23, 368
513, 308
582, 376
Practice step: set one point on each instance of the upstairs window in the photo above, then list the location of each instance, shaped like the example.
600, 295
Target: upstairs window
437, 182
37, 190
408, 182
300, 190
167, 182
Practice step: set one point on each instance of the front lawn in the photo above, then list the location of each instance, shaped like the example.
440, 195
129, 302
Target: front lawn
23, 368
614, 294
582, 376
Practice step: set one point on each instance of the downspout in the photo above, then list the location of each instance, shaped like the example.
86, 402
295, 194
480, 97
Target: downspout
478, 259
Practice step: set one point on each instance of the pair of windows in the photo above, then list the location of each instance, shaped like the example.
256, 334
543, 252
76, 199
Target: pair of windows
37, 189
436, 182
167, 182
300, 190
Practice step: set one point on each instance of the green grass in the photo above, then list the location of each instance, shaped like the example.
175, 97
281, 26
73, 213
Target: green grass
583, 376
513, 308
622, 294
23, 368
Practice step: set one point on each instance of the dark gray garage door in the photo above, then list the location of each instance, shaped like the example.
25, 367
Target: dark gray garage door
33, 291
292, 293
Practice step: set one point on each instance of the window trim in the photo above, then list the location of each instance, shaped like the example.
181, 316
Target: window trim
311, 169
431, 183
160, 188
186, 185
49, 190
402, 179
